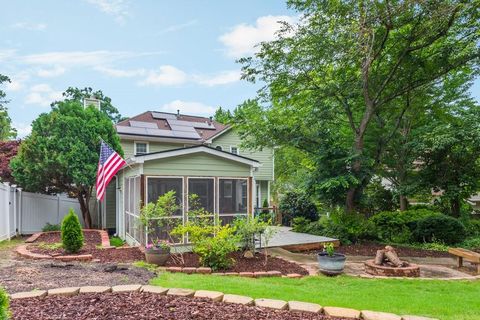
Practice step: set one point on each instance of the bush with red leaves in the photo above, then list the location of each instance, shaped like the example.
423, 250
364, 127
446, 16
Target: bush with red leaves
8, 150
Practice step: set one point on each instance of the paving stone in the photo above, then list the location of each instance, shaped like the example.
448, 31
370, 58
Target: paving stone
341, 312
80, 257
261, 274
417, 318
246, 274
69, 291
213, 295
271, 303
30, 294
233, 298
294, 275
304, 306
174, 269
180, 292
154, 289
126, 288
274, 273
95, 289
373, 315
189, 270
204, 270
231, 273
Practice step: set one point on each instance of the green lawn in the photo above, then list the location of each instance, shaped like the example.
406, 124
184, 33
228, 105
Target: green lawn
459, 300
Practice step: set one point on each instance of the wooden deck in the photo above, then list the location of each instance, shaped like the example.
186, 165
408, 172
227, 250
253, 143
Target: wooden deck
287, 239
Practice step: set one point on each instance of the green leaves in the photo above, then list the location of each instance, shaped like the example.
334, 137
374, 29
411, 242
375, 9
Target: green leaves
72, 234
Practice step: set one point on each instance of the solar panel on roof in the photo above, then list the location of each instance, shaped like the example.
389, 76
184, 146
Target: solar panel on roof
131, 130
162, 115
160, 132
143, 124
203, 125
183, 134
182, 128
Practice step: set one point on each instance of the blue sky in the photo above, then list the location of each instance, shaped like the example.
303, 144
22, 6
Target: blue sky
145, 55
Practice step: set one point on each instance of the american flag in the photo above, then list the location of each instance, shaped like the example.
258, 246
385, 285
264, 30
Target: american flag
108, 165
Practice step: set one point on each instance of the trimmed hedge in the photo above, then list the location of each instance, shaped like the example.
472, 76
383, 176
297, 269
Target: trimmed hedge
72, 234
440, 228
297, 204
3, 305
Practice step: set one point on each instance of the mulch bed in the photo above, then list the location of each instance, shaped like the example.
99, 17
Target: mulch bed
92, 243
370, 249
137, 306
257, 263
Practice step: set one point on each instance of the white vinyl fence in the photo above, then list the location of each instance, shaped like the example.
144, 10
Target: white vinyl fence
26, 213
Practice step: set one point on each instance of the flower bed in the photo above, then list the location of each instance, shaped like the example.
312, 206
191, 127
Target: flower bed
249, 265
47, 245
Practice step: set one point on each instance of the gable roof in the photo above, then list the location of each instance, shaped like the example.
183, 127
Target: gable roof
170, 126
195, 149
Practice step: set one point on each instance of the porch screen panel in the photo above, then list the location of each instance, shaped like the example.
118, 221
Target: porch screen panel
133, 227
232, 199
158, 187
204, 189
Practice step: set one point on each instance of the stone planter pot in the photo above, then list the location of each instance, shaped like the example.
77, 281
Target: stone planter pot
157, 256
331, 265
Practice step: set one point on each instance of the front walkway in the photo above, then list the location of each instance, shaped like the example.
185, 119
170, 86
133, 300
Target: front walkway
431, 268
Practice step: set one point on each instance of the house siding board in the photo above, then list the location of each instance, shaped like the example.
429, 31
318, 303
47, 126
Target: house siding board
129, 147
196, 165
264, 191
265, 156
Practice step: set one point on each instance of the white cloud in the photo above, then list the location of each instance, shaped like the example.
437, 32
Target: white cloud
6, 54
115, 8
188, 107
23, 129
50, 73
165, 76
42, 95
224, 77
29, 26
241, 40
177, 27
17, 82
119, 73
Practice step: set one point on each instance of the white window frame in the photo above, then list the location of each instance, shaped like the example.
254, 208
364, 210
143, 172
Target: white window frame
238, 150
135, 147
220, 148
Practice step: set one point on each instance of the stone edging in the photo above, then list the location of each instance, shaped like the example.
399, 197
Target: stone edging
23, 251
257, 274
220, 297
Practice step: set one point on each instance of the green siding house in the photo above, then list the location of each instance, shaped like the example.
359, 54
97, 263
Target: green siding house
191, 155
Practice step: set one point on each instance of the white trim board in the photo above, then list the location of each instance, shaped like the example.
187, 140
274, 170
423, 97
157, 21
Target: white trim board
192, 150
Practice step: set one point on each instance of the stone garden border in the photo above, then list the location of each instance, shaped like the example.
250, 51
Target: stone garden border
217, 296
23, 251
256, 274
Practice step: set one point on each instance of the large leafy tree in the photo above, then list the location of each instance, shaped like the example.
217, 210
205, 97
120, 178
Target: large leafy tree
106, 106
344, 68
8, 150
6, 129
61, 154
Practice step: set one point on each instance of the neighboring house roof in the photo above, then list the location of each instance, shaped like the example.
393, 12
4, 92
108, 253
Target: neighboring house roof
170, 126
194, 149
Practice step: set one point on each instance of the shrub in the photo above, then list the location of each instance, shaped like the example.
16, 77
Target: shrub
397, 226
72, 234
51, 227
3, 305
297, 204
439, 228
246, 229
214, 250
116, 242
471, 243
473, 227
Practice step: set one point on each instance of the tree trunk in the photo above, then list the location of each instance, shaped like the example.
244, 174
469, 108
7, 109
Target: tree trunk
455, 207
84, 199
403, 203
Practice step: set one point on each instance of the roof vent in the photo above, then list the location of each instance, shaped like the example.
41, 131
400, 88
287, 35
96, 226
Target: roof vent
91, 102
178, 113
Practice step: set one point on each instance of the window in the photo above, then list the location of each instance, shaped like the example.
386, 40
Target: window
234, 150
232, 196
219, 148
141, 148
203, 188
159, 186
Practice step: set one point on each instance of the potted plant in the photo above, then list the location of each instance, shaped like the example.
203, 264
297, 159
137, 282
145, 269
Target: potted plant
155, 216
330, 262
157, 252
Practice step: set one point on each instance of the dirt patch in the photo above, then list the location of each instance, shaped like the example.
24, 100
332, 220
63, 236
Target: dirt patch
26, 275
91, 238
144, 306
370, 249
241, 264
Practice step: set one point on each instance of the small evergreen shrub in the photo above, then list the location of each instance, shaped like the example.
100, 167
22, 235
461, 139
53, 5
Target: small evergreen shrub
471, 243
297, 204
440, 228
51, 227
473, 227
3, 305
72, 234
